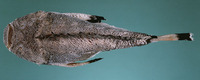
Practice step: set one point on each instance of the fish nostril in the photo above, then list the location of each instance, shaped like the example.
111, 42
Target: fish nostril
9, 37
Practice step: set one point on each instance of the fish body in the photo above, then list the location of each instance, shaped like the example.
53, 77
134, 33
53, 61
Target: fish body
61, 39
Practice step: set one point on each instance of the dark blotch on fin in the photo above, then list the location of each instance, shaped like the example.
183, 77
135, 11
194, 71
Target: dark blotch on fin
96, 19
94, 60
149, 40
184, 36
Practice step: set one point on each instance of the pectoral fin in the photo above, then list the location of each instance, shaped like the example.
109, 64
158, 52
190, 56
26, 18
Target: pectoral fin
76, 64
83, 63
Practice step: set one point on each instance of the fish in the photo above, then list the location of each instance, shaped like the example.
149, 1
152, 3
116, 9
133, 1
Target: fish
65, 39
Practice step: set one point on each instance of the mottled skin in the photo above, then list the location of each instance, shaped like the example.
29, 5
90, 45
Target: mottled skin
56, 38
62, 38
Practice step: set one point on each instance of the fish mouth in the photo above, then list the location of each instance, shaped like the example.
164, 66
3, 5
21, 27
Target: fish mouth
8, 33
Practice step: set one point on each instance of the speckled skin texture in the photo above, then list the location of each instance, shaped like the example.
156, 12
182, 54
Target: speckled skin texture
58, 39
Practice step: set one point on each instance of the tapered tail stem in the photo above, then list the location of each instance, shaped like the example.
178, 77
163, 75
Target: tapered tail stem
172, 37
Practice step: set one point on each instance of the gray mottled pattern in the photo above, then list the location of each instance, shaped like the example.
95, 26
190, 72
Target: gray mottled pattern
49, 37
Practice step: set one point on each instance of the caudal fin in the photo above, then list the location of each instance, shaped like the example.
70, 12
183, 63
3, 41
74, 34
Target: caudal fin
173, 37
